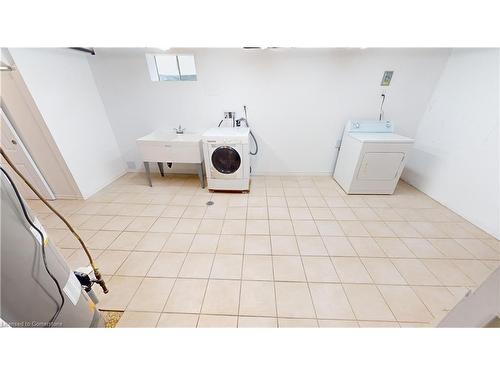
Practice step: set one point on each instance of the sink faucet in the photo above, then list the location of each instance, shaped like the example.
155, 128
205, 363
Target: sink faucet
179, 130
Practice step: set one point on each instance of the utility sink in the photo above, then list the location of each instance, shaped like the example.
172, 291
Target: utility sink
162, 146
167, 147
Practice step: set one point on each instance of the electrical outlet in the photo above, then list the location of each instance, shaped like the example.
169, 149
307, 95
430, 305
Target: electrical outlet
386, 78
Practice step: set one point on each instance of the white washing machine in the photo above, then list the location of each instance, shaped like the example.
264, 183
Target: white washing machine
371, 157
227, 158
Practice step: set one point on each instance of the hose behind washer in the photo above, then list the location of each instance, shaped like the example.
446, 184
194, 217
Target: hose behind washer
251, 134
256, 144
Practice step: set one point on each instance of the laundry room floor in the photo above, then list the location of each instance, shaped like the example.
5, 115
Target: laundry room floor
294, 252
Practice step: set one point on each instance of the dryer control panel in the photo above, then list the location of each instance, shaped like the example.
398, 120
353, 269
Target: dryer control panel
367, 126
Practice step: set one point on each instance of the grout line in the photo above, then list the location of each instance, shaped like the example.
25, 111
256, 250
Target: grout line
303, 255
205, 293
387, 304
428, 307
241, 286
178, 272
274, 288
128, 197
308, 287
274, 317
173, 285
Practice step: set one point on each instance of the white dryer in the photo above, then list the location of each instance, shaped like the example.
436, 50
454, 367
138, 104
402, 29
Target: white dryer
371, 157
227, 158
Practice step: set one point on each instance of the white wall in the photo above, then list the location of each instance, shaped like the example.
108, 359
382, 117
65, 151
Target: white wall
298, 99
19, 106
63, 88
455, 157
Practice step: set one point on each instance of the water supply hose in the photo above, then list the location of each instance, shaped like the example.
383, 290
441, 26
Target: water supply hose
246, 124
256, 144
251, 134
99, 280
381, 114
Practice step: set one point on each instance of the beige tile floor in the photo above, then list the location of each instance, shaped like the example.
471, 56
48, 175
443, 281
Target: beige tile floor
294, 252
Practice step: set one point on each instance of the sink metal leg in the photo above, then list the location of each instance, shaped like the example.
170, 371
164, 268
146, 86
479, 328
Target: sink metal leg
160, 167
148, 173
201, 174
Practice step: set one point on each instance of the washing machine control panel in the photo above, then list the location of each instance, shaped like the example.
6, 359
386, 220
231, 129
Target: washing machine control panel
225, 141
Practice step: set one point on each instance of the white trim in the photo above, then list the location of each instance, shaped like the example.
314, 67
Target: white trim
46, 138
48, 191
292, 174
277, 174
69, 197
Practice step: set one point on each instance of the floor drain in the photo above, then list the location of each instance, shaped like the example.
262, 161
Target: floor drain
210, 203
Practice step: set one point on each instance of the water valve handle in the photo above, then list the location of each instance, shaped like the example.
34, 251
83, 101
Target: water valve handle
179, 130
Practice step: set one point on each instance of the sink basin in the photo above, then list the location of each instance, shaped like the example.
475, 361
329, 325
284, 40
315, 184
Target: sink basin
162, 146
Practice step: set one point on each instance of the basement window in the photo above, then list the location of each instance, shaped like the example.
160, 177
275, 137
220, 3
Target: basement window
164, 67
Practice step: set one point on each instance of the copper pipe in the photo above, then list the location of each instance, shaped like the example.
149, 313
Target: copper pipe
99, 279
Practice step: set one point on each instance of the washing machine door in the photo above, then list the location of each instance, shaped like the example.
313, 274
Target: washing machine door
226, 161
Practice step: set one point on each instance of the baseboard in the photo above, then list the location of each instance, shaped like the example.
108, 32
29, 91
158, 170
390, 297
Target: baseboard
490, 231
102, 186
293, 174
278, 174
135, 170
68, 197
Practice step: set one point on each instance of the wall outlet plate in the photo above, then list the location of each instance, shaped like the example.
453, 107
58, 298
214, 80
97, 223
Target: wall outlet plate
386, 78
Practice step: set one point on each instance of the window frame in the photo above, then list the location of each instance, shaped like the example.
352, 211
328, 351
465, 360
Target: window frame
154, 68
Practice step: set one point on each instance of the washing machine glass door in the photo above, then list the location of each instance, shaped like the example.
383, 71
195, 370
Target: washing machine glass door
226, 161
